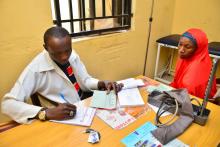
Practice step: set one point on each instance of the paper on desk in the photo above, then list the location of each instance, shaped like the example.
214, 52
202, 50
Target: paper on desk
84, 117
131, 83
101, 99
136, 111
156, 109
130, 97
114, 118
161, 87
142, 137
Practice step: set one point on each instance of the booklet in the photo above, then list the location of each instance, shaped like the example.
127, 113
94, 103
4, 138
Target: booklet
84, 117
114, 118
101, 99
142, 137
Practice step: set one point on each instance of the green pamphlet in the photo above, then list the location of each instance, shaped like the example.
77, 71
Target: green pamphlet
101, 99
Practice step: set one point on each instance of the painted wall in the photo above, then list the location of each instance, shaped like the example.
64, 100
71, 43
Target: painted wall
122, 55
113, 57
22, 25
161, 26
203, 14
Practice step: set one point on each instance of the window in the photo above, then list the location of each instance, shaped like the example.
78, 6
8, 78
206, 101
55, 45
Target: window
92, 17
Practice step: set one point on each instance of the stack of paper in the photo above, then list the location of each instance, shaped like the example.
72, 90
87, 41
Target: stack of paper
84, 117
101, 99
142, 137
130, 97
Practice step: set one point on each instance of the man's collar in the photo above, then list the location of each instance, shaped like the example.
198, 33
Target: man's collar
46, 63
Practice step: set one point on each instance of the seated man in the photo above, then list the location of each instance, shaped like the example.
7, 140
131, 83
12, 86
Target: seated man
58, 75
194, 64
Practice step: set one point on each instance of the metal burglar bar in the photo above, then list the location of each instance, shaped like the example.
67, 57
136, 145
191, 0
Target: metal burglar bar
71, 15
83, 14
103, 8
115, 13
127, 10
57, 12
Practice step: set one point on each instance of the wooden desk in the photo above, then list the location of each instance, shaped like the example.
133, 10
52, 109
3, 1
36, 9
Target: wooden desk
61, 135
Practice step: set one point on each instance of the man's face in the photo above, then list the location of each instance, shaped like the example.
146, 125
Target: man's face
59, 49
186, 48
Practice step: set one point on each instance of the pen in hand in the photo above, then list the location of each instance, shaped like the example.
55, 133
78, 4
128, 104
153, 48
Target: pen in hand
63, 98
71, 108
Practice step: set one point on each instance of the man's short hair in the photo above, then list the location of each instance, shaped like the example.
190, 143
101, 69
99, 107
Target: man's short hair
56, 31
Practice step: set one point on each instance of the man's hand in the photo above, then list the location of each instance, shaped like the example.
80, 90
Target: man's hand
107, 85
61, 112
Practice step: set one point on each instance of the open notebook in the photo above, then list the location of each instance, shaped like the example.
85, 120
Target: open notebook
101, 99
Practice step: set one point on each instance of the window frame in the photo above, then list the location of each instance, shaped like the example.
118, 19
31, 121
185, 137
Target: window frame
124, 19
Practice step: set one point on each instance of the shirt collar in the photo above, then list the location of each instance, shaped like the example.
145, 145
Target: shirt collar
46, 63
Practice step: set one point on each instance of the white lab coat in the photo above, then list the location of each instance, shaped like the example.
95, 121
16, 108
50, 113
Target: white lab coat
42, 75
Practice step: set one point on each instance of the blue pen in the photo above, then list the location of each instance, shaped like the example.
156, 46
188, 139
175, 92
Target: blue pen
62, 96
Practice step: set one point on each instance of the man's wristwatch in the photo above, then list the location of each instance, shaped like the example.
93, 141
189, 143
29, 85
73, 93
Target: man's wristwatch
42, 115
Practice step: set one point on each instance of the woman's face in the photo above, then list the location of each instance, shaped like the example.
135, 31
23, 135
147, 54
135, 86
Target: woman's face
186, 48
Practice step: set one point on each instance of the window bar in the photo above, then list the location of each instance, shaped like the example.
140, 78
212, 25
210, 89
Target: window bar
80, 14
129, 13
92, 13
94, 8
122, 12
88, 18
57, 12
83, 14
119, 11
99, 31
126, 11
103, 8
113, 7
71, 16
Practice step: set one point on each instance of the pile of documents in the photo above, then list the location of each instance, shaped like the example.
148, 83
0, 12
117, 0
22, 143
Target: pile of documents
112, 111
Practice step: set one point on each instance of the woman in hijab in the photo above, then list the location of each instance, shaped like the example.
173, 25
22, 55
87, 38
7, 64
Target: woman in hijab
194, 64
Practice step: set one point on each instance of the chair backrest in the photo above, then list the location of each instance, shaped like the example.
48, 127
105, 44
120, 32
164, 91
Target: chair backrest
8, 125
35, 99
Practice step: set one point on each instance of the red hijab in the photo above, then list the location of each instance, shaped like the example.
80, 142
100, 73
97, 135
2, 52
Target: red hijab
193, 73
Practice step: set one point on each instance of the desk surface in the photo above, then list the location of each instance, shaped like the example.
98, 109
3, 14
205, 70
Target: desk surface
54, 134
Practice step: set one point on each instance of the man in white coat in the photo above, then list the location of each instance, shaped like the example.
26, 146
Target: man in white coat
58, 75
